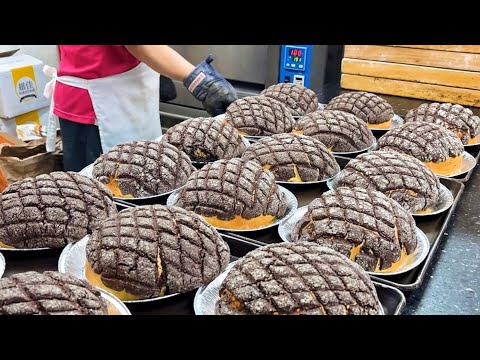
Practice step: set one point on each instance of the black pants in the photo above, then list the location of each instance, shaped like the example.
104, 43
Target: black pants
81, 144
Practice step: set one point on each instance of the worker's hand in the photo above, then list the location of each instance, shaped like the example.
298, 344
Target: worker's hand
208, 86
167, 89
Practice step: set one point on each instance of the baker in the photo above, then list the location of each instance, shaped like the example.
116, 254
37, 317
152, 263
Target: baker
104, 95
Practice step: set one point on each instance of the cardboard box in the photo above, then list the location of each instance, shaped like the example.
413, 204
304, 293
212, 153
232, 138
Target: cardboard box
38, 117
21, 85
19, 159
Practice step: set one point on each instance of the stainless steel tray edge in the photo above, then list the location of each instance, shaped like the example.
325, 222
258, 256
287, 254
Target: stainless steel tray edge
477, 158
401, 300
433, 248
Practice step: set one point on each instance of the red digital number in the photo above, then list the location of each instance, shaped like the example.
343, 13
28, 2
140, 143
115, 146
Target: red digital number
295, 52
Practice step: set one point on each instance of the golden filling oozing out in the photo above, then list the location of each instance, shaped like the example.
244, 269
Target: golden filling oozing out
450, 166
112, 185
474, 140
5, 246
384, 125
96, 280
295, 178
232, 300
240, 223
200, 153
243, 133
402, 262
426, 211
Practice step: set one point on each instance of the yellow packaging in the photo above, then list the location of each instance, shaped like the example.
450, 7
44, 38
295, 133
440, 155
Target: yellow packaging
21, 82
36, 117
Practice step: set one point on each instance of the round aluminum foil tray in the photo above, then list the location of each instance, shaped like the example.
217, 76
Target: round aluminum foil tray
423, 245
292, 205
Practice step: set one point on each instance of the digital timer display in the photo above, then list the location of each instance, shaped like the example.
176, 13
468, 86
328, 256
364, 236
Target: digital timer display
295, 52
296, 55
295, 63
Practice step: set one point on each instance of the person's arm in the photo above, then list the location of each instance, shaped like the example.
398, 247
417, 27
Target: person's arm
203, 81
163, 59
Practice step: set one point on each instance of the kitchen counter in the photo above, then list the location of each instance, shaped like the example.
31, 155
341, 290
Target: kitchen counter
452, 283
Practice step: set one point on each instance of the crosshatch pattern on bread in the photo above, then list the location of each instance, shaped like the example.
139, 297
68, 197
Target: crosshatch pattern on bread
143, 168
206, 139
49, 293
425, 141
338, 130
155, 250
229, 188
51, 210
259, 116
292, 157
365, 225
455, 117
399, 176
367, 106
298, 99
297, 279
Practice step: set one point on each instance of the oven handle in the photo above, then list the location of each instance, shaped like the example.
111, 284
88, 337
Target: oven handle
175, 116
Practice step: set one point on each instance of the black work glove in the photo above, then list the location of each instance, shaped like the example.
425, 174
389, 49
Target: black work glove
208, 86
167, 89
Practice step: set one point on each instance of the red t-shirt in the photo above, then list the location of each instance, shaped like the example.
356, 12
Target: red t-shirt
87, 62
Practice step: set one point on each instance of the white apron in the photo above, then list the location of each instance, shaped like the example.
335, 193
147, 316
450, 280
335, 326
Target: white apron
126, 105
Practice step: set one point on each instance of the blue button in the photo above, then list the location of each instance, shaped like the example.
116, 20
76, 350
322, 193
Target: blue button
287, 65
300, 66
293, 65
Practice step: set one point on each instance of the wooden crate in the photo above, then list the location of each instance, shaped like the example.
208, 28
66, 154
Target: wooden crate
445, 73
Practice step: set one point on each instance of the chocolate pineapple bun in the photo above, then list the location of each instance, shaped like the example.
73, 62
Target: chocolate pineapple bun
371, 108
51, 210
259, 116
206, 139
338, 130
369, 228
49, 293
298, 99
434, 145
234, 194
297, 279
152, 251
399, 176
142, 168
455, 117
293, 158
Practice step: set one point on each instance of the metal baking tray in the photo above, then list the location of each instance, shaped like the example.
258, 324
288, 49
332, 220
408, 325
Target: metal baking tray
393, 300
433, 226
475, 151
